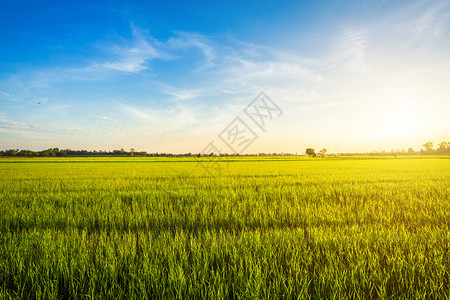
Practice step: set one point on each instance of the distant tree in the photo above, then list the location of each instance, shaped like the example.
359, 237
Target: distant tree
131, 152
11, 152
411, 151
428, 146
444, 147
323, 151
310, 151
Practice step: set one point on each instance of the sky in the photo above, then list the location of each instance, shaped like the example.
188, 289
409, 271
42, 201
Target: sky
173, 76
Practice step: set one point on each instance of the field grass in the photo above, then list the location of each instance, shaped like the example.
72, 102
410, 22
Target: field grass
262, 228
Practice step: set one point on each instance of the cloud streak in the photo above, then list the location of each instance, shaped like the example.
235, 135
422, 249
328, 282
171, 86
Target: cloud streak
5, 94
7, 123
106, 118
185, 40
135, 57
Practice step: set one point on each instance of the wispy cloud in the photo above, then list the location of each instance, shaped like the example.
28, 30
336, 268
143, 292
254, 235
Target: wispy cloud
185, 40
433, 19
176, 116
180, 95
12, 125
139, 113
5, 93
7, 123
106, 118
135, 56
350, 49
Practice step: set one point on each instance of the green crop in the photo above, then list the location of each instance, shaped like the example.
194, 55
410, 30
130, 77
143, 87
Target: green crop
262, 228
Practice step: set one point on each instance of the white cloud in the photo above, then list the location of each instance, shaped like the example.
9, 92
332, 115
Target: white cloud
135, 57
178, 94
185, 40
432, 19
106, 118
5, 93
172, 117
139, 113
350, 49
7, 123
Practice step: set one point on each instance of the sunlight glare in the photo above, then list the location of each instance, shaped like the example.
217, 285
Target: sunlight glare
402, 117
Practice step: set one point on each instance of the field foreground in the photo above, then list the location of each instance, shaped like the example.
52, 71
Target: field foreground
261, 228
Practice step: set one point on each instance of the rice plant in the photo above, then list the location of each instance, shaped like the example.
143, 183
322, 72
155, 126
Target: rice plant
263, 228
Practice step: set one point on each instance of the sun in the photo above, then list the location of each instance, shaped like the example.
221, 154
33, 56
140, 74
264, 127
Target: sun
401, 118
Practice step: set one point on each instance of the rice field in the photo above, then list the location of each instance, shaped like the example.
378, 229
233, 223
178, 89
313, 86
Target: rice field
262, 228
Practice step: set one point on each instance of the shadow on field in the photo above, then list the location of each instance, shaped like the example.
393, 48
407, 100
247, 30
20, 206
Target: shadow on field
219, 225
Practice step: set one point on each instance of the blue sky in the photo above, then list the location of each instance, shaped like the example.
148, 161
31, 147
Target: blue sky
169, 76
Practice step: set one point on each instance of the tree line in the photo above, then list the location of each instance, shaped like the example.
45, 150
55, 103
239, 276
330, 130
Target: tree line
55, 152
428, 148
443, 148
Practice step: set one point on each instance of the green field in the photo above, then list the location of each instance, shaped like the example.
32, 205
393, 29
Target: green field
262, 228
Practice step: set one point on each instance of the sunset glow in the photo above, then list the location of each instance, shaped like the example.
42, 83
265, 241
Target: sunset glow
366, 77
